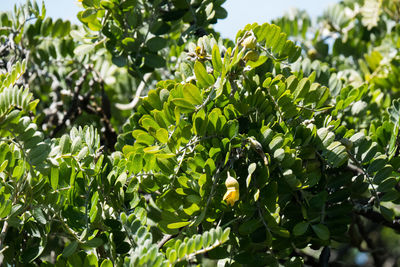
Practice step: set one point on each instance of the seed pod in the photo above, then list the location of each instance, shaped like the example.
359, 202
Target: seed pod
249, 42
251, 56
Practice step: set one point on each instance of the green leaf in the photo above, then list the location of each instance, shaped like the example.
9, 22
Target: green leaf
279, 154
216, 59
154, 61
232, 129
83, 49
3, 165
151, 149
5, 208
251, 169
154, 99
106, 263
172, 255
321, 231
88, 15
54, 178
82, 154
70, 249
94, 242
276, 143
192, 94
393, 140
198, 242
177, 225
302, 89
204, 80
143, 137
256, 195
39, 153
225, 235
300, 228
206, 239
185, 106
182, 250
383, 173
91, 261
162, 135
157, 43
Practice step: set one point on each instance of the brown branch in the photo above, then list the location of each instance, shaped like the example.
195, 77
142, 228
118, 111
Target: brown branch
73, 109
376, 252
378, 218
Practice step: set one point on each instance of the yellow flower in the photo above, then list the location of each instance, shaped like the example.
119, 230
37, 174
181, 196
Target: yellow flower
200, 53
232, 192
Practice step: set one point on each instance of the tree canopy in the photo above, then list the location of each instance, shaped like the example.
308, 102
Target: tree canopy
142, 138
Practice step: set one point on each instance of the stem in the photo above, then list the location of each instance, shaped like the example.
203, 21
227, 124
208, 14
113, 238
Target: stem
69, 230
276, 107
192, 11
87, 189
260, 213
207, 99
201, 251
271, 56
216, 179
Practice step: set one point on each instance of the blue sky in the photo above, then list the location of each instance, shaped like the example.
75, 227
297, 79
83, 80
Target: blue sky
240, 12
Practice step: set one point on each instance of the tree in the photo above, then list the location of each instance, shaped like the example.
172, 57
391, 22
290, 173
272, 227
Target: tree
277, 148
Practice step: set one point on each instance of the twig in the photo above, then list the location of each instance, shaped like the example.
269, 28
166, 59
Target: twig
164, 240
365, 173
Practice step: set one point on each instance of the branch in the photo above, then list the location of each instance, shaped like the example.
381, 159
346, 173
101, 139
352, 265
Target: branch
3, 234
74, 105
378, 218
135, 100
164, 240
376, 252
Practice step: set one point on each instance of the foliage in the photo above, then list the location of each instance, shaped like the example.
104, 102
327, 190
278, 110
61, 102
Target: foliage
136, 32
278, 148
